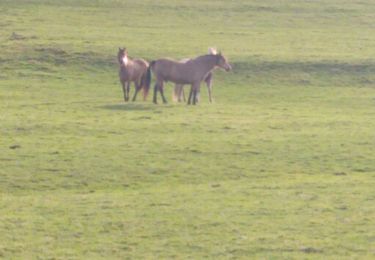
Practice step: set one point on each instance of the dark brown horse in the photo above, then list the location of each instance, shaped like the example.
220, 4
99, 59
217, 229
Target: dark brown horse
191, 72
132, 71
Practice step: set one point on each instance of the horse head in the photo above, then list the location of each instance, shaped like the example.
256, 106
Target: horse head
222, 62
122, 56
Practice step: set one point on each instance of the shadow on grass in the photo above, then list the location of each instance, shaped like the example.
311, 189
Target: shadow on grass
319, 73
127, 107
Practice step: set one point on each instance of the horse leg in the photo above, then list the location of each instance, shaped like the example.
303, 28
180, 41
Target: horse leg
158, 86
197, 95
196, 88
209, 87
190, 95
194, 96
137, 89
182, 94
155, 93
124, 89
127, 91
161, 88
176, 93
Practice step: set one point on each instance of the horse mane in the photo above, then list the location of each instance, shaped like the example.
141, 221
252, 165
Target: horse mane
205, 56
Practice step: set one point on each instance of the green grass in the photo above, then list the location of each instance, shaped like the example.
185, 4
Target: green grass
281, 165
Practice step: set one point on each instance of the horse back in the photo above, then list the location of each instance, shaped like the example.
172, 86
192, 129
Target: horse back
141, 63
175, 71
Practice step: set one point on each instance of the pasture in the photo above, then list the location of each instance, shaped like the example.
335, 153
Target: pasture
281, 165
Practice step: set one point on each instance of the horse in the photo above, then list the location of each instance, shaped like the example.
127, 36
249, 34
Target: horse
132, 70
178, 92
191, 72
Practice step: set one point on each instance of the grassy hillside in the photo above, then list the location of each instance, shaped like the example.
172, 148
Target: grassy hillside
280, 166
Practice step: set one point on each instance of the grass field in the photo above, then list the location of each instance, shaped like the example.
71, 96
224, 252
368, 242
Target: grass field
282, 165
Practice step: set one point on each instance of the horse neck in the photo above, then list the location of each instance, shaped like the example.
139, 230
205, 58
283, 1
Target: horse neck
207, 62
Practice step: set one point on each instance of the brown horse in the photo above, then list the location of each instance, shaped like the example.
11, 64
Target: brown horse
191, 72
178, 92
132, 71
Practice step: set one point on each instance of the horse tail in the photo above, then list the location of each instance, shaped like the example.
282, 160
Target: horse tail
144, 85
147, 80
